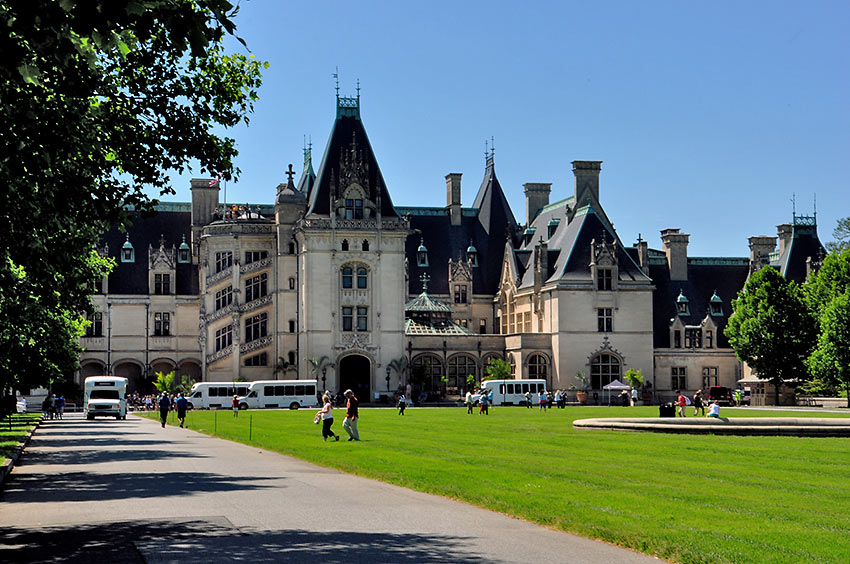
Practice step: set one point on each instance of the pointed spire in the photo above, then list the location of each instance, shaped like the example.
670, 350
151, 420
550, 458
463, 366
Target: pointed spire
425, 278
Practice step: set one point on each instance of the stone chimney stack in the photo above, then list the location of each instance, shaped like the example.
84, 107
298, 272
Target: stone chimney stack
536, 198
643, 253
784, 231
760, 248
204, 202
453, 196
676, 249
586, 181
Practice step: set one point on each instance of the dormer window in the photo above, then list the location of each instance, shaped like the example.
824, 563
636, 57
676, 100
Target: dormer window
604, 278
345, 244
128, 254
528, 235
682, 304
183, 252
551, 227
472, 254
353, 208
422, 254
715, 306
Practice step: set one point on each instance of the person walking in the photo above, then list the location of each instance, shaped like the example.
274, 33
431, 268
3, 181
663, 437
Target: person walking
327, 416
164, 406
181, 403
698, 403
60, 406
235, 405
681, 402
402, 403
352, 414
542, 400
634, 396
47, 407
468, 402
484, 403
528, 400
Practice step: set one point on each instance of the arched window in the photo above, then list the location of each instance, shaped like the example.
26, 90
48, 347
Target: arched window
345, 244
429, 370
604, 368
347, 277
460, 366
365, 244
538, 367
362, 280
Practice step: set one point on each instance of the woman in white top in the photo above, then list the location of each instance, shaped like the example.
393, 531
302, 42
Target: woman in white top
714, 409
327, 415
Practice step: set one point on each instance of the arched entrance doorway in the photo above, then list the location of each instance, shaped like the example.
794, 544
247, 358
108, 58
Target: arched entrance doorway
355, 373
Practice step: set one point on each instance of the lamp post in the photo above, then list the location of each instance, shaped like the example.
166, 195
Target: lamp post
388, 378
324, 386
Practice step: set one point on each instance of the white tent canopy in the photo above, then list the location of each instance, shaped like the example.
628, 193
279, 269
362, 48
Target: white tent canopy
615, 385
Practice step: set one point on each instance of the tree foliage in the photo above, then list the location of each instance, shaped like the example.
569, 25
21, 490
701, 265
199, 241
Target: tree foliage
771, 329
634, 377
498, 369
842, 236
99, 101
164, 382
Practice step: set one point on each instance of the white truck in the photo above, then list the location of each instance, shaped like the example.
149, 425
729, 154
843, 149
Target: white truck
105, 396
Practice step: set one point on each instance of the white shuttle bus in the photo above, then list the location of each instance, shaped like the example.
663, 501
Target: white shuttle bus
214, 395
512, 392
280, 393
105, 396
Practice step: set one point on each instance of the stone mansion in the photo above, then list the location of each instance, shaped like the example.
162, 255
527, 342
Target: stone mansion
335, 281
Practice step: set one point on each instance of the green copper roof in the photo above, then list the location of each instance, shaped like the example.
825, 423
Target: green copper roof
426, 304
681, 298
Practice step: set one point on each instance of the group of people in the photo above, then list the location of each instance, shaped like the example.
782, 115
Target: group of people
326, 417
682, 401
53, 406
166, 404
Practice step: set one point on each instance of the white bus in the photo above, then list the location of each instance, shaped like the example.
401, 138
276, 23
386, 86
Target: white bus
280, 393
214, 395
512, 392
105, 395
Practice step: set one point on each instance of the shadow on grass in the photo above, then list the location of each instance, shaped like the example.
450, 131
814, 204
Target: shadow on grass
216, 540
85, 486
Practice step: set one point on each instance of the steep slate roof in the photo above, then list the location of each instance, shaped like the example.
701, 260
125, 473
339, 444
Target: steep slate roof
804, 243
486, 225
132, 278
346, 128
308, 177
726, 276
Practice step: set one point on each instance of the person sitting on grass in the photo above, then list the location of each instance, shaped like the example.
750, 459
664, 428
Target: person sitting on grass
714, 410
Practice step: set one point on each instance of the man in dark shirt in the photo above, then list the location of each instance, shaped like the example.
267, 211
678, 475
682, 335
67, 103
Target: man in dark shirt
351, 416
164, 405
181, 404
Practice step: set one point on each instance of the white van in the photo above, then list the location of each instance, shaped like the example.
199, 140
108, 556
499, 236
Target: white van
280, 393
213, 395
105, 395
512, 392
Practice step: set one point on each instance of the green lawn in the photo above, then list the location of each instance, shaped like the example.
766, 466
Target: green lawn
687, 498
13, 432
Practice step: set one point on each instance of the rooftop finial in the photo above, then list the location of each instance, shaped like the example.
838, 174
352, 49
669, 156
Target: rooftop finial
486, 150
794, 207
492, 147
424, 278
290, 173
358, 89
816, 206
336, 78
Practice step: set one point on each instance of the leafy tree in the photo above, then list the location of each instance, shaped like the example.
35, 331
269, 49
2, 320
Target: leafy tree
830, 281
282, 367
842, 236
770, 328
830, 361
164, 382
100, 101
186, 384
498, 369
634, 377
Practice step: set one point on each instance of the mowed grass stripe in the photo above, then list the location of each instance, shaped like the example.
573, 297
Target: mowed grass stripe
686, 498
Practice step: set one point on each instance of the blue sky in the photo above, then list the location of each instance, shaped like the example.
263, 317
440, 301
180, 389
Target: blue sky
708, 116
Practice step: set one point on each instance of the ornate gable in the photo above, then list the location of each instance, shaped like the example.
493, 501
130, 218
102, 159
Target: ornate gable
162, 258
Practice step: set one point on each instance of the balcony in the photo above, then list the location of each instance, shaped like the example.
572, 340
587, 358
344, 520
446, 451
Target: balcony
218, 355
255, 344
214, 279
255, 266
255, 304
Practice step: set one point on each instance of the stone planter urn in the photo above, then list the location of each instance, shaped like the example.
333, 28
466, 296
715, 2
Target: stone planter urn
581, 396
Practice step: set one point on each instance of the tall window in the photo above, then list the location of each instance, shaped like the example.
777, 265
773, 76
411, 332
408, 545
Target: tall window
161, 284
291, 357
347, 277
460, 367
693, 337
365, 245
223, 337
679, 378
709, 339
362, 279
604, 278
224, 297
292, 283
460, 294
430, 368
345, 244
223, 261
161, 324
605, 319
709, 376
482, 326
256, 327
261, 359
353, 209
362, 318
347, 318
526, 321
256, 287
291, 248
96, 327
254, 256
512, 362
538, 367
604, 369
292, 326
677, 339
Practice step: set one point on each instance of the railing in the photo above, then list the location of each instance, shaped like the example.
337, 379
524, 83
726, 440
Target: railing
254, 266
361, 224
254, 304
219, 276
218, 355
256, 344
219, 313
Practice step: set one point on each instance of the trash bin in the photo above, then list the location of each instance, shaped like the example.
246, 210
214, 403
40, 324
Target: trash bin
667, 410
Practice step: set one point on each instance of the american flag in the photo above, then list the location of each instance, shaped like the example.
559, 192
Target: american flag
215, 180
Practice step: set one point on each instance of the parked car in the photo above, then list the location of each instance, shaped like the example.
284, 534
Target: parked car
722, 394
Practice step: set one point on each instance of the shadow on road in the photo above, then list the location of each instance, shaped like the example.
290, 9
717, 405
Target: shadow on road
83, 486
216, 540
97, 456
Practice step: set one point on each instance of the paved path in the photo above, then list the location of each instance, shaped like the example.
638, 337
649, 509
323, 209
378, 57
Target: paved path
130, 491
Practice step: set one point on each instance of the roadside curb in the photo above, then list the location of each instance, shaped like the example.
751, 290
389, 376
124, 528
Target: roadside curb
10, 462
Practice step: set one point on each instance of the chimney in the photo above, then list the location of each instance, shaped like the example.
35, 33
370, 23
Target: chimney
760, 248
784, 231
204, 200
643, 253
536, 198
676, 249
453, 196
587, 181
